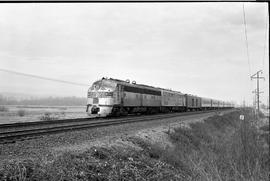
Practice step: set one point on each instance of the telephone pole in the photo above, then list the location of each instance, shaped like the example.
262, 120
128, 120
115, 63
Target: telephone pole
258, 88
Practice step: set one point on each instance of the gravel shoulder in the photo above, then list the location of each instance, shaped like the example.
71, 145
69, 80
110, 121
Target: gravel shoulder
47, 147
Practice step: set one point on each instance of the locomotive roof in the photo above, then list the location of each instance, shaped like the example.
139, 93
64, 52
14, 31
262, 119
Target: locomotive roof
130, 84
142, 85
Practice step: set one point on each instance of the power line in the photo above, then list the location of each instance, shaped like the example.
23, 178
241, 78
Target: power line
246, 42
40, 77
245, 25
265, 36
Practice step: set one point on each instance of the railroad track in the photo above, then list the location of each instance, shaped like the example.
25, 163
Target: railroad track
10, 133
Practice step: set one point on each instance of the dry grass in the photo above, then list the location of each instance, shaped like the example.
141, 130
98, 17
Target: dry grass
93, 164
222, 148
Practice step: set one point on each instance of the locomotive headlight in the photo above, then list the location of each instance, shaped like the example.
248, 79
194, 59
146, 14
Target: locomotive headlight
110, 94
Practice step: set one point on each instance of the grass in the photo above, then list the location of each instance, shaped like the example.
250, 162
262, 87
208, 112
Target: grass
220, 148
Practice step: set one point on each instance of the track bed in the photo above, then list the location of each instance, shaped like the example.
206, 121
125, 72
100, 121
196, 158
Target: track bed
9, 133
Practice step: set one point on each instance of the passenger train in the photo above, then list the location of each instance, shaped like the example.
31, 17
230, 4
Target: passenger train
113, 97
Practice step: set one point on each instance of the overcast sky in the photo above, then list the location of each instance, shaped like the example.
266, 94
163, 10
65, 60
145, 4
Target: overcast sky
196, 48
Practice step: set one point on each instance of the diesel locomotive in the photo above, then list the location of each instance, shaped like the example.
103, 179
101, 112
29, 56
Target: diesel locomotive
113, 97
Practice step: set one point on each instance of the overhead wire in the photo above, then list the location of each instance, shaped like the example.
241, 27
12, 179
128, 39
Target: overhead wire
265, 36
247, 47
265, 88
41, 77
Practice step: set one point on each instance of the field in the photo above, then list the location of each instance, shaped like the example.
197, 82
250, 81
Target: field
12, 114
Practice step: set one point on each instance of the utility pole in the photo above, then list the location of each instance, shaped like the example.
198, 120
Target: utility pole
256, 101
267, 105
258, 88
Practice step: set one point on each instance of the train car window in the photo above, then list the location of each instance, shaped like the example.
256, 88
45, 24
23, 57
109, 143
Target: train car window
196, 102
141, 90
192, 102
132, 89
152, 92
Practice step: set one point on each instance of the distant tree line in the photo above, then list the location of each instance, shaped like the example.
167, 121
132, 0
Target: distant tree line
49, 101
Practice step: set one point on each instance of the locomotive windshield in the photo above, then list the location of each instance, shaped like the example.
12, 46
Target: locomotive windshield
100, 94
102, 85
101, 89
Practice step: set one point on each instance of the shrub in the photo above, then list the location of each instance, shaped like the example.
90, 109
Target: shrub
3, 109
48, 117
21, 112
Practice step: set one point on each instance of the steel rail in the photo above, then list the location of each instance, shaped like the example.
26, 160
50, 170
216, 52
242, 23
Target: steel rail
46, 122
15, 135
51, 122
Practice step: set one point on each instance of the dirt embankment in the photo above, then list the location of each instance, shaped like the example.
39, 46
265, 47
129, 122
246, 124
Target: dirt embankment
153, 134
